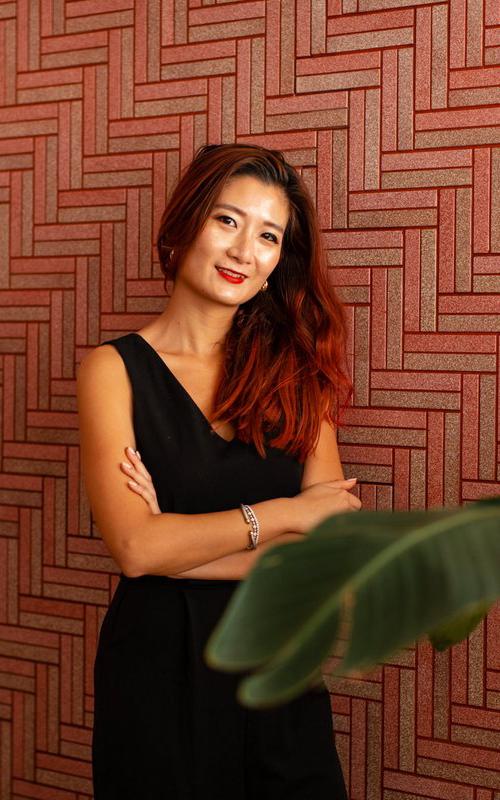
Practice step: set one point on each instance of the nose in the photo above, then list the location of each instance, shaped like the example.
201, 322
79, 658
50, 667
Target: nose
242, 251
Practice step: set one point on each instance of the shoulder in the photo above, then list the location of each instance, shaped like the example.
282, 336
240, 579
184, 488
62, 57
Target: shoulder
105, 355
104, 401
101, 370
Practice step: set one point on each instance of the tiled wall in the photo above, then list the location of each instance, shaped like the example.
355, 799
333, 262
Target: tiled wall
390, 109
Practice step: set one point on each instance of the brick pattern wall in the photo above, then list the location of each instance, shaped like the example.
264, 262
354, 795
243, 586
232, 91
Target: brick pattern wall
390, 109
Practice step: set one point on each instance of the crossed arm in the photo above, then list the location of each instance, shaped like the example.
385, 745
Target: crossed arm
321, 465
236, 566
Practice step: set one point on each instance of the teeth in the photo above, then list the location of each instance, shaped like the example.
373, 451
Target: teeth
230, 272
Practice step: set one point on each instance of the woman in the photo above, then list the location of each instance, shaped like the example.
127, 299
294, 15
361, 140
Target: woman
230, 396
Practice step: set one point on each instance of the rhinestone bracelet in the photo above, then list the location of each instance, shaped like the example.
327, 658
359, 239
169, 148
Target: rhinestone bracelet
253, 533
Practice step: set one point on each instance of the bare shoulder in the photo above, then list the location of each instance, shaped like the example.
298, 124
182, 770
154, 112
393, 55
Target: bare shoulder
102, 370
101, 358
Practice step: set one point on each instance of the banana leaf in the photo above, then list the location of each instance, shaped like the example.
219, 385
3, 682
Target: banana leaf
395, 576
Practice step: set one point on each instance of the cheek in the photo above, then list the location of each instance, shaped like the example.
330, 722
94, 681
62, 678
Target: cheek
210, 247
270, 266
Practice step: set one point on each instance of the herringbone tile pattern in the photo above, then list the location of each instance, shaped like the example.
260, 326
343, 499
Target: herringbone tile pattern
390, 109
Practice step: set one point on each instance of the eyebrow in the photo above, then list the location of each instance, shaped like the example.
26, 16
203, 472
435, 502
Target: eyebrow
243, 214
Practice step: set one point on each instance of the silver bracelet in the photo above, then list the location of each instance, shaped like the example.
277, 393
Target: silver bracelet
254, 531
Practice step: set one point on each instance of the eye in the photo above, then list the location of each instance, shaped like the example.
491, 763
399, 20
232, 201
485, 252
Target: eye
224, 217
274, 238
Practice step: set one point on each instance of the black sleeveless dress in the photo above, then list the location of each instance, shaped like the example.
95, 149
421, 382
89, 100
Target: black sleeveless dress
166, 726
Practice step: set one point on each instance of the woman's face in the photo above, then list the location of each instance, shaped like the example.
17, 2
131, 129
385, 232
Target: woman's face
248, 240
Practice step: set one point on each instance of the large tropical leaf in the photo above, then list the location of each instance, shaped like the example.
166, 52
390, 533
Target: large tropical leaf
399, 575
460, 627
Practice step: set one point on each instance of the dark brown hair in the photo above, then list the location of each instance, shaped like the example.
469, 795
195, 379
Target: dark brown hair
284, 369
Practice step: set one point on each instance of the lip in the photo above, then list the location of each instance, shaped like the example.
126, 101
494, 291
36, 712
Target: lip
241, 275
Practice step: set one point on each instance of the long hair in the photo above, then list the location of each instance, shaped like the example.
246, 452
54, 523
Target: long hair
284, 355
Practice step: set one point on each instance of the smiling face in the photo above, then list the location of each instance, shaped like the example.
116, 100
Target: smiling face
243, 233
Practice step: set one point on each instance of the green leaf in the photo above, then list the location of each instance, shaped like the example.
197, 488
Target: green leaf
492, 499
430, 575
405, 573
459, 627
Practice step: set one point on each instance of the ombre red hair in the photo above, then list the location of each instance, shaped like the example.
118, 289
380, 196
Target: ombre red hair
284, 368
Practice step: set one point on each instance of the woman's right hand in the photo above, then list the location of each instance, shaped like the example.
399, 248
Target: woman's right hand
320, 501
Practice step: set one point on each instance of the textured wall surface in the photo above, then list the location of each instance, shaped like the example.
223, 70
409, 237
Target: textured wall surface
390, 109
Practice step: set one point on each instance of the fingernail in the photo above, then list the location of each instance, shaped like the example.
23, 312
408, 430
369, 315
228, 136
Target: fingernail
131, 450
137, 454
351, 479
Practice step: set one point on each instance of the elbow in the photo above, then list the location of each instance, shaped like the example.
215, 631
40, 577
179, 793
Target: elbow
129, 561
139, 555
134, 560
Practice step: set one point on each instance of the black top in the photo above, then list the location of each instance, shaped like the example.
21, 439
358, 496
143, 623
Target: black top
194, 470
166, 726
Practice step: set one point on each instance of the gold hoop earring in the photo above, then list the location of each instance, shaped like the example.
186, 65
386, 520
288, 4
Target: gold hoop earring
264, 286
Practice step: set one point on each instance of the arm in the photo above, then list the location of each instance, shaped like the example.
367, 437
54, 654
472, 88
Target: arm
141, 542
174, 543
323, 464
236, 566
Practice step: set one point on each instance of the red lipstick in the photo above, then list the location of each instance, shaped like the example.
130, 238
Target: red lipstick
230, 278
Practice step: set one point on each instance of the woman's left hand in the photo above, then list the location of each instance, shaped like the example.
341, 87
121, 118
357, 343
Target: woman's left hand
140, 480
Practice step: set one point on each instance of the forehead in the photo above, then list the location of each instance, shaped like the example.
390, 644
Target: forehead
248, 197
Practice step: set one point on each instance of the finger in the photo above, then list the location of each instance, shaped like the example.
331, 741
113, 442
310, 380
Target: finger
137, 480
137, 462
129, 469
140, 480
146, 495
140, 489
135, 472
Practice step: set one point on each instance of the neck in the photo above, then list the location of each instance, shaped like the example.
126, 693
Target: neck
193, 328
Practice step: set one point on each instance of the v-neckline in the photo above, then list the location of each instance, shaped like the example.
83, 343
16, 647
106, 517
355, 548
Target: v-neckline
183, 389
